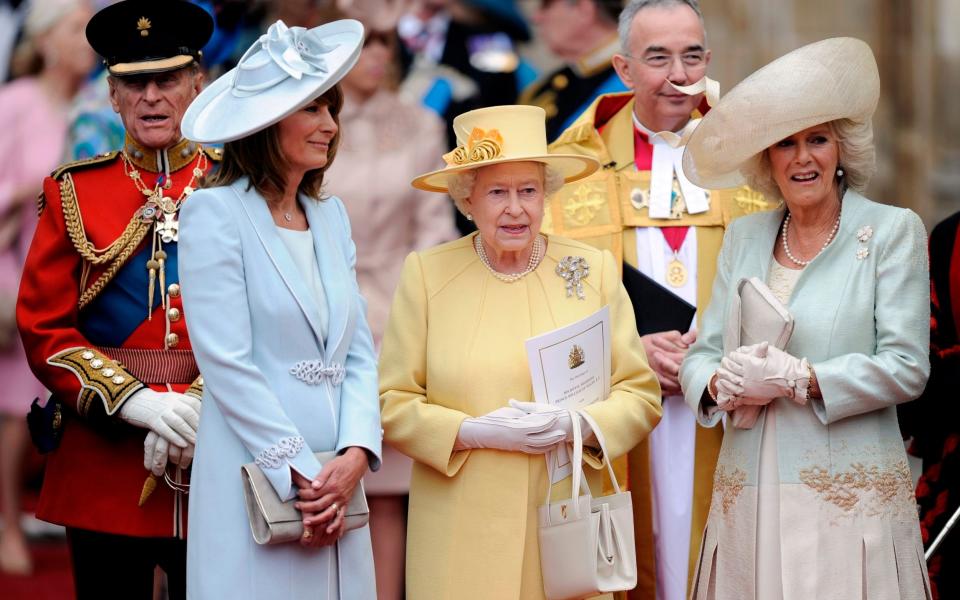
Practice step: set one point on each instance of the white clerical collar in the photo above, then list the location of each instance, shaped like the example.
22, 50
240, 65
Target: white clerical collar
669, 137
666, 164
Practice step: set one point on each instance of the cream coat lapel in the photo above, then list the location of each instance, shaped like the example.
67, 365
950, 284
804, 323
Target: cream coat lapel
257, 211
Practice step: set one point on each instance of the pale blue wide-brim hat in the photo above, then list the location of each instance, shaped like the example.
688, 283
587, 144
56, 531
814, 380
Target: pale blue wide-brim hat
283, 71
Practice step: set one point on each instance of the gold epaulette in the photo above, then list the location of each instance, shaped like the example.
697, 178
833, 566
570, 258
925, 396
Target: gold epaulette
84, 163
110, 258
72, 166
214, 154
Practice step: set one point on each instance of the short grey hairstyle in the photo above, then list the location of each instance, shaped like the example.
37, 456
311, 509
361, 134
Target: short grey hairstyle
630, 11
856, 156
460, 185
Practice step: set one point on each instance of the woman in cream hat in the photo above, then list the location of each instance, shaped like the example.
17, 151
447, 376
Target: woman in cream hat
277, 325
453, 358
813, 497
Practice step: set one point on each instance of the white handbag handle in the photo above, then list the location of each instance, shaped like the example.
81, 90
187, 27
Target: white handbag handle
576, 463
603, 446
578, 477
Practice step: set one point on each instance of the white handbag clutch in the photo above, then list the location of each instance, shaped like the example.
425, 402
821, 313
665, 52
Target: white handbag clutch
756, 316
273, 521
586, 543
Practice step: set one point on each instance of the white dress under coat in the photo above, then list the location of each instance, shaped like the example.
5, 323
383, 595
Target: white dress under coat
253, 320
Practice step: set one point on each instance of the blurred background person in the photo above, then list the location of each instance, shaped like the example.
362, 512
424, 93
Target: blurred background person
932, 421
11, 19
52, 61
460, 55
582, 33
386, 141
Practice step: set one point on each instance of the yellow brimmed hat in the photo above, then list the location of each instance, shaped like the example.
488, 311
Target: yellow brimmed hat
499, 134
828, 80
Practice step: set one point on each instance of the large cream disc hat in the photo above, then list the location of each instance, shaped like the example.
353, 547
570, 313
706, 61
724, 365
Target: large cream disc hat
499, 134
818, 83
284, 70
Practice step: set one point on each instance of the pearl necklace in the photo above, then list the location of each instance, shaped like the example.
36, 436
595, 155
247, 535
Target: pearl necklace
535, 257
786, 247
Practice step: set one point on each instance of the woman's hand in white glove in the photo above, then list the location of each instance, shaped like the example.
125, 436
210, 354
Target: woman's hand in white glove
729, 384
510, 429
768, 372
564, 423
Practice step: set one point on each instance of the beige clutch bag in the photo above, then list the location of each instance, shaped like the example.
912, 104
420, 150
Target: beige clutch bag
273, 521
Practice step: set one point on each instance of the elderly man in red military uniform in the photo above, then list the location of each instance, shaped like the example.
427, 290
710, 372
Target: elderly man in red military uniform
101, 318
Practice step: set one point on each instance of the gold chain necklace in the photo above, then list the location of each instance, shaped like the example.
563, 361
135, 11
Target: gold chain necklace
161, 212
535, 257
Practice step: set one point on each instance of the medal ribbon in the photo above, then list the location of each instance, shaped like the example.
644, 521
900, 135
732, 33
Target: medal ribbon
675, 237
676, 271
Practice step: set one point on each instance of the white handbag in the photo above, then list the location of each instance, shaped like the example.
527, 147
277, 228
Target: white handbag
586, 543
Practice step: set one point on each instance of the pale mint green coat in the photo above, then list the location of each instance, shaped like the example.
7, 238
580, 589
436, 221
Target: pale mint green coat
848, 520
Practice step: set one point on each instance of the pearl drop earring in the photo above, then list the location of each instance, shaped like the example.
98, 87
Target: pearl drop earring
839, 172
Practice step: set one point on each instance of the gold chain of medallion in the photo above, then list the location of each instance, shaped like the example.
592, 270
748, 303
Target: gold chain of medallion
133, 234
116, 254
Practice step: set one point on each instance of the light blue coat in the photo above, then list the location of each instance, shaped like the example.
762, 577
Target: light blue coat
252, 319
847, 512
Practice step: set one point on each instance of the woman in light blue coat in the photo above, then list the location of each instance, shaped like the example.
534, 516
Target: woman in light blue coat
277, 320
812, 496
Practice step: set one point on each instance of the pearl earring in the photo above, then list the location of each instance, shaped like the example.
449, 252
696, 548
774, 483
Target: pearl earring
469, 217
839, 172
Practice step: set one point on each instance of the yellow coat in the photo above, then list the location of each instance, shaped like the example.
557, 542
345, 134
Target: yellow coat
454, 348
599, 210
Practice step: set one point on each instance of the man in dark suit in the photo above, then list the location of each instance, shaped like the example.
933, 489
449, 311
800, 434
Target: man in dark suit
583, 33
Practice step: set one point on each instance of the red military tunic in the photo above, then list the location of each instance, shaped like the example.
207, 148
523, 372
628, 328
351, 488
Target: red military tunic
83, 316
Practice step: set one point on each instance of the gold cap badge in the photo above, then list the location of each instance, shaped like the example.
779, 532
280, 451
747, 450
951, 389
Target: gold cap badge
143, 25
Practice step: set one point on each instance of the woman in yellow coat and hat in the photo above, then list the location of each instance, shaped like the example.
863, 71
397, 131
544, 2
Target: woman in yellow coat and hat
453, 358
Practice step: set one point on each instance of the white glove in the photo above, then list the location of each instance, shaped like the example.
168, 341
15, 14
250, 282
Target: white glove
768, 372
729, 385
156, 451
512, 430
174, 417
563, 419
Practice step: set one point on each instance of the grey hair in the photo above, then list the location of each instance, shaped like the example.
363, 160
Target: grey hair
460, 185
856, 156
633, 7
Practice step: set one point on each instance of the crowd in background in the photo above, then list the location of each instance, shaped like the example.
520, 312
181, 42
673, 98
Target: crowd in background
423, 63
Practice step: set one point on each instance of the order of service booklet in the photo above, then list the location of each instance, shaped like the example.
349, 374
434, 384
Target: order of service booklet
570, 368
